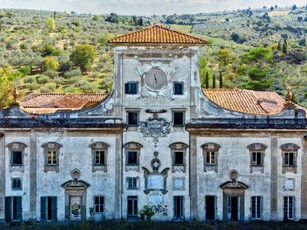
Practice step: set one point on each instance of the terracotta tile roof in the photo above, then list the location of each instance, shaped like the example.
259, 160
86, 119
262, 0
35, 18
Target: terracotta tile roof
157, 34
50, 103
246, 101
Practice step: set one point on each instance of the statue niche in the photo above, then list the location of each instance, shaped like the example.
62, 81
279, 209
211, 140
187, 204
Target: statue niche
155, 181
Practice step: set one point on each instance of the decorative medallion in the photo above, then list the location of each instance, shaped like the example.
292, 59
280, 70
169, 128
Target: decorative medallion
155, 127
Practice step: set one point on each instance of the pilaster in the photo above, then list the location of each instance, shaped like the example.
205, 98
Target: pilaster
33, 169
193, 176
274, 178
2, 177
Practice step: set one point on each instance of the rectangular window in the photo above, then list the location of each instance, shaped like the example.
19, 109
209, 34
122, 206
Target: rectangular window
178, 88
256, 207
210, 158
289, 205
16, 158
52, 157
132, 182
257, 161
133, 118
132, 206
48, 208
99, 204
16, 184
178, 118
132, 158
178, 207
178, 158
99, 157
289, 159
131, 88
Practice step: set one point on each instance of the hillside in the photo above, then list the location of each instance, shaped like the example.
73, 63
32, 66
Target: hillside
262, 49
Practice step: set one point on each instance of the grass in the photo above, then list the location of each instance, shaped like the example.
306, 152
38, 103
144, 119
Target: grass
149, 225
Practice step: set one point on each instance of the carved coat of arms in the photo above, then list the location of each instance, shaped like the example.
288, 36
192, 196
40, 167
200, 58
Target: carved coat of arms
155, 128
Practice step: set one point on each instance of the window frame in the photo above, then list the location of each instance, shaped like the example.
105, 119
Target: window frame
129, 87
132, 147
256, 209
287, 207
130, 112
175, 123
55, 149
255, 150
13, 148
102, 148
181, 89
209, 148
176, 148
135, 183
99, 205
286, 150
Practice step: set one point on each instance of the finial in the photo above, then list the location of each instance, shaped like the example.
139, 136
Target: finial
15, 95
289, 95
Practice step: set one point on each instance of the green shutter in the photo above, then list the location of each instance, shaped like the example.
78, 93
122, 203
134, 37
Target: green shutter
19, 208
43, 208
8, 217
54, 206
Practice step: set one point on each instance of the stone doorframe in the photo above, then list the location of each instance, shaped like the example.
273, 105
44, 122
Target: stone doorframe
75, 188
233, 189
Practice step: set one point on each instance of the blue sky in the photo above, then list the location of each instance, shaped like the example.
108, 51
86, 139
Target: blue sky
144, 7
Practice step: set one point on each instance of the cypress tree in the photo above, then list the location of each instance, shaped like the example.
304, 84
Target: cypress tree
207, 80
221, 80
213, 82
285, 46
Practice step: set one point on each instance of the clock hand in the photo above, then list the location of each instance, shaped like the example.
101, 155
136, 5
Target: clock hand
156, 79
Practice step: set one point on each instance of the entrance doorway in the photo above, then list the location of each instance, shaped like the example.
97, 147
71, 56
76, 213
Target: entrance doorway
210, 207
233, 208
132, 203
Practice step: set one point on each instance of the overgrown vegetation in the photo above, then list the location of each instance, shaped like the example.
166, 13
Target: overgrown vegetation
54, 52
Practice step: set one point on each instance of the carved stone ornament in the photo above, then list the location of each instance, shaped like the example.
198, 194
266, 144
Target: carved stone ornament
155, 128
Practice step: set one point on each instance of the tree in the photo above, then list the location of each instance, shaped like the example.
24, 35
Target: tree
294, 7
50, 24
285, 47
83, 56
50, 63
6, 87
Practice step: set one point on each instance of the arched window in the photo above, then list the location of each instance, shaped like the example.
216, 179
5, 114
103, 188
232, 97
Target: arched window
17, 152
289, 157
99, 156
178, 152
51, 155
257, 153
132, 154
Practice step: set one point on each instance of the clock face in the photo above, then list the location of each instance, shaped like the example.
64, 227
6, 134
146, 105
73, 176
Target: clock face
155, 79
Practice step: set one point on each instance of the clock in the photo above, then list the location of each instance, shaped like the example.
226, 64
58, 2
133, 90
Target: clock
156, 79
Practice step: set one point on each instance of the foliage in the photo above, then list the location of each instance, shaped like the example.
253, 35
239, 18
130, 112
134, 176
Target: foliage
50, 63
50, 24
83, 56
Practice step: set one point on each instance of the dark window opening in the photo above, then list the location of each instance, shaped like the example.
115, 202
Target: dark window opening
257, 158
17, 158
99, 204
289, 159
132, 158
132, 206
99, 157
133, 118
178, 118
16, 183
210, 207
178, 158
178, 88
131, 88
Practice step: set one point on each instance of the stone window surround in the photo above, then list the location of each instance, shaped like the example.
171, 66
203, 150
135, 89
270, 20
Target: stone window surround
254, 148
132, 146
51, 146
137, 111
16, 147
289, 148
179, 147
210, 147
99, 146
137, 183
183, 112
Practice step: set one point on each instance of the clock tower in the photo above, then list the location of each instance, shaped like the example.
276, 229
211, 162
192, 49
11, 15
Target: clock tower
155, 90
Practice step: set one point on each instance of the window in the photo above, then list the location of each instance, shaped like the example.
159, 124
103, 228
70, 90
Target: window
132, 206
132, 158
132, 152
132, 183
210, 154
178, 88
257, 153
256, 207
178, 158
16, 158
99, 204
52, 158
131, 88
16, 184
178, 118
48, 208
289, 205
178, 208
289, 157
133, 118
210, 158
51, 152
99, 156
178, 152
